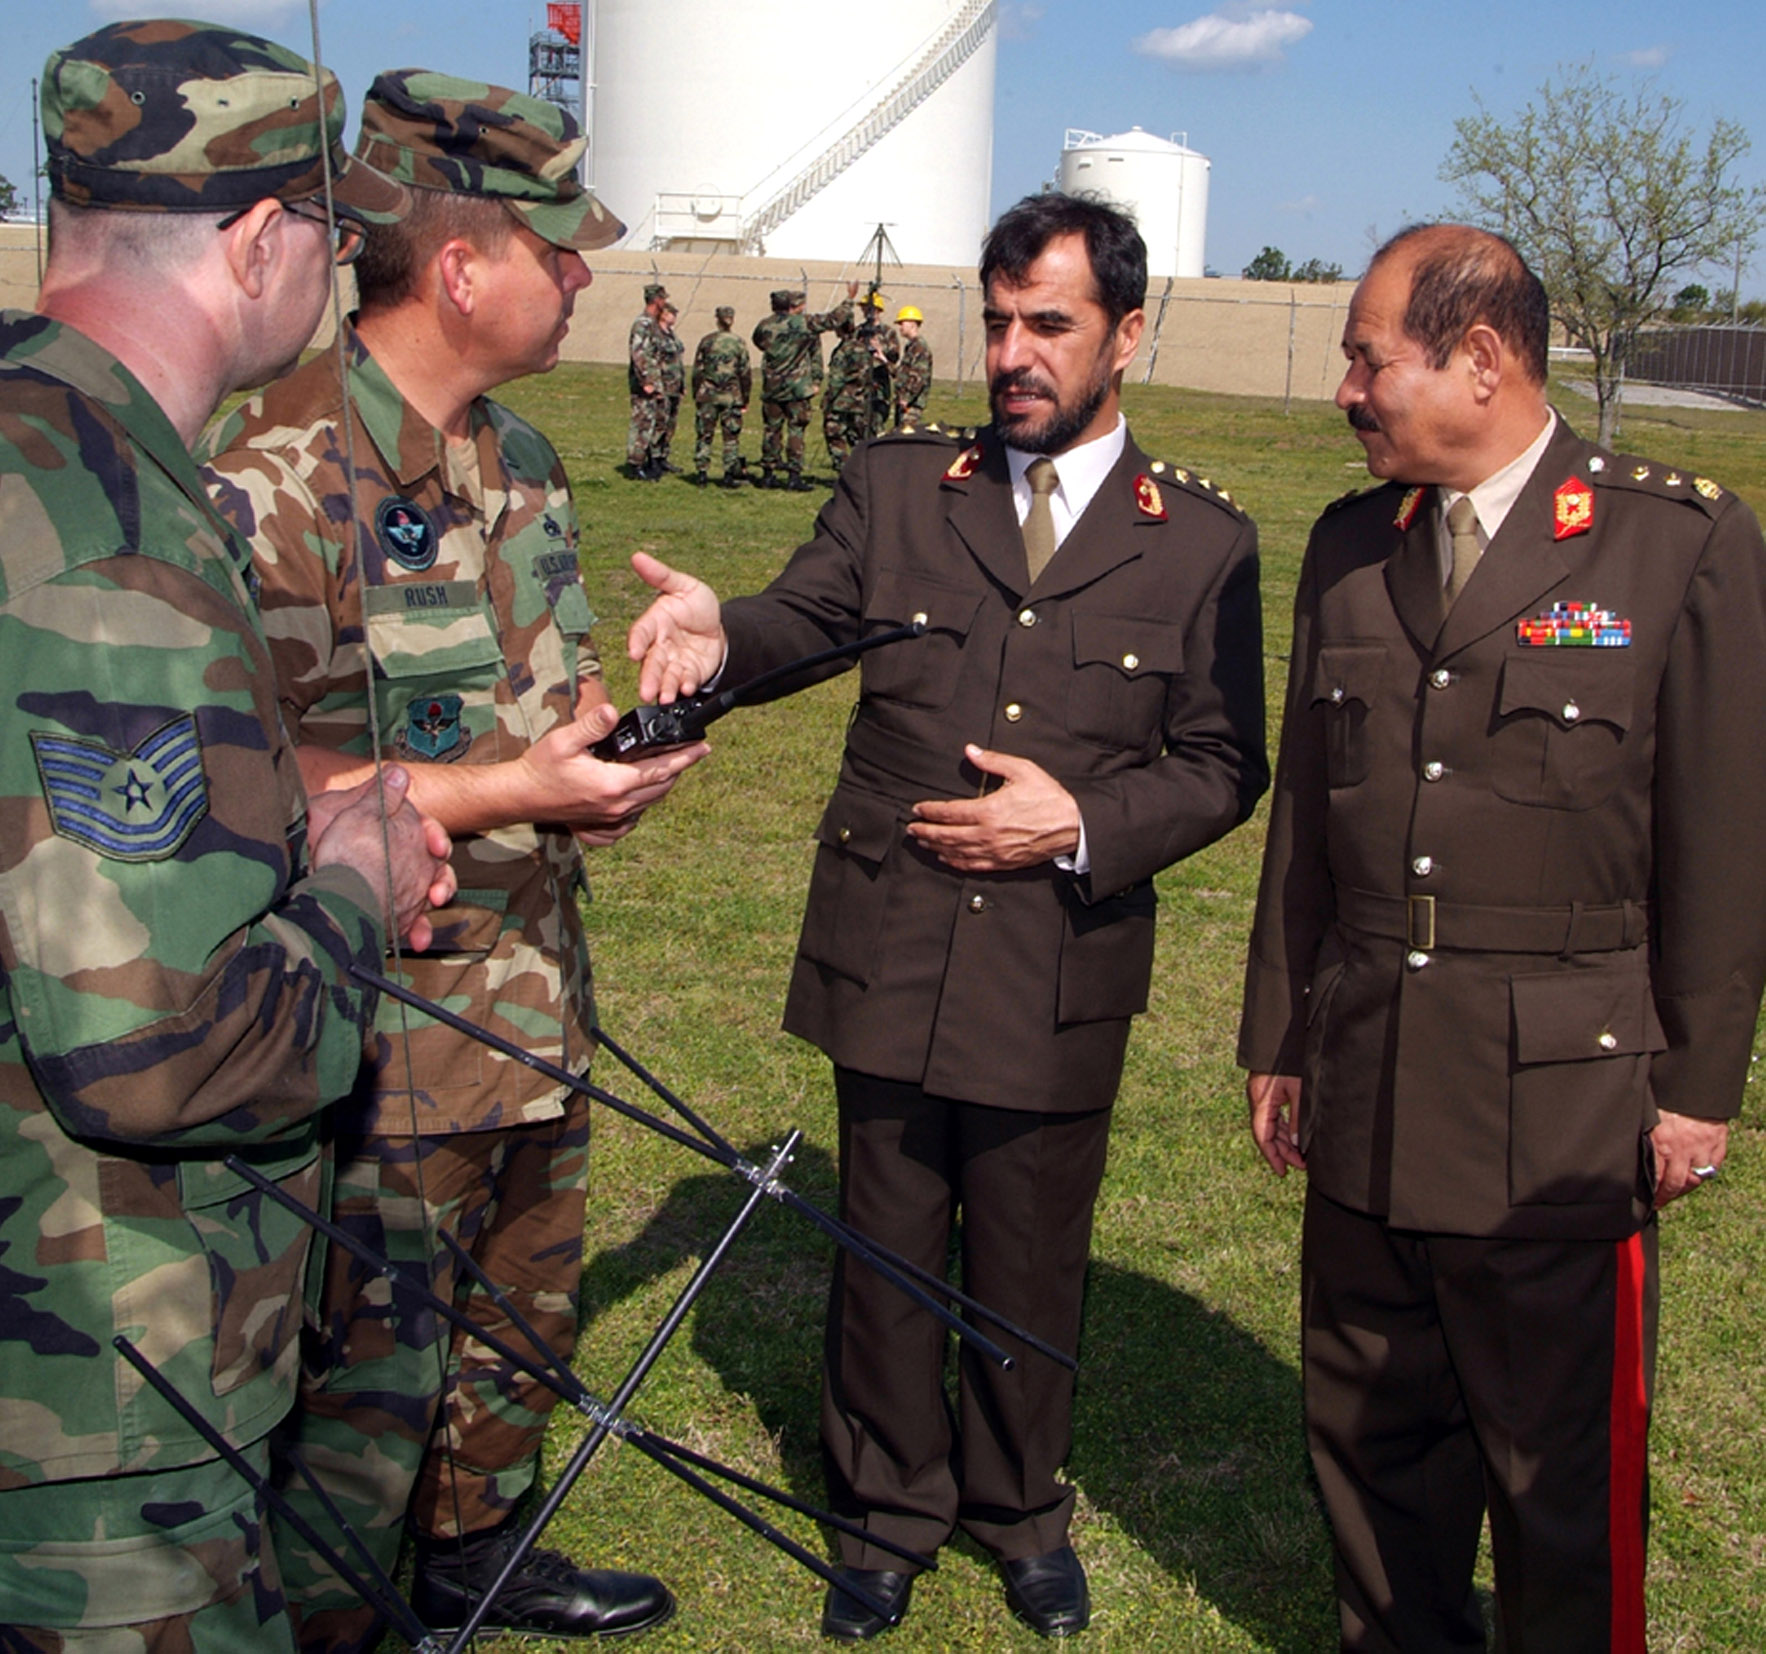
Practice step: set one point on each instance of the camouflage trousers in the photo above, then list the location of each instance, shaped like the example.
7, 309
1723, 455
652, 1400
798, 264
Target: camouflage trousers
374, 1423
777, 416
665, 437
845, 428
649, 415
708, 419
912, 411
160, 1562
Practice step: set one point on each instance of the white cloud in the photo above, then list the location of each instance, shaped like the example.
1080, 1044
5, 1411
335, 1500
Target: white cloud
1018, 19
1305, 206
1233, 37
1647, 57
254, 15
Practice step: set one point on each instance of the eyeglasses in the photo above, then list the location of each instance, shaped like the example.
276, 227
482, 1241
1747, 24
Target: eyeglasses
348, 236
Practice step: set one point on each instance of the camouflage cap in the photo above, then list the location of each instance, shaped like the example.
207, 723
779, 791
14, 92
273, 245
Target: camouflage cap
167, 116
440, 133
785, 297
725, 313
653, 291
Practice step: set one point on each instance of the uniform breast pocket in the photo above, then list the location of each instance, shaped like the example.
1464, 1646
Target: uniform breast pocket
437, 664
922, 671
1561, 723
1122, 671
1346, 682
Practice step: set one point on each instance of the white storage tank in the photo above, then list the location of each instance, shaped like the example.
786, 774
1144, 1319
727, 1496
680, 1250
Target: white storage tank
1162, 181
792, 128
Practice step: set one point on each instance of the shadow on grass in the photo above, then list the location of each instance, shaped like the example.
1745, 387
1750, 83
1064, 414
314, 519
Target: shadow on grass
1187, 1431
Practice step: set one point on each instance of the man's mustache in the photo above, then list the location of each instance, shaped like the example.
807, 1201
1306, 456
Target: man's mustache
1020, 379
1361, 417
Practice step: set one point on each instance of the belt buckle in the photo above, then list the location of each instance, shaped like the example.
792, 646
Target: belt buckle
1420, 921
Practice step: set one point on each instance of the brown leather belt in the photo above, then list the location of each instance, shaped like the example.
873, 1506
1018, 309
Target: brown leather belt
1426, 923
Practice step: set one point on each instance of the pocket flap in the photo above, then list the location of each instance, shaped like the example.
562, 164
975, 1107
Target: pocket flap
1133, 646
1348, 672
1574, 1015
1570, 686
899, 596
860, 823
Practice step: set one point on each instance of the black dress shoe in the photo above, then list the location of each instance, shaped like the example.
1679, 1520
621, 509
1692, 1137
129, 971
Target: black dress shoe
849, 1620
1049, 1592
549, 1596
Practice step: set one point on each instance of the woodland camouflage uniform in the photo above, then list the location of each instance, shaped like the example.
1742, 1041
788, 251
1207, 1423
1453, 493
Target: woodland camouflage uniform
723, 380
673, 385
644, 366
791, 368
173, 975
913, 382
455, 570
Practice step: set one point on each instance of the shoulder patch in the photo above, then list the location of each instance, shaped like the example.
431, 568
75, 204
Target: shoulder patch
1637, 475
1191, 482
129, 806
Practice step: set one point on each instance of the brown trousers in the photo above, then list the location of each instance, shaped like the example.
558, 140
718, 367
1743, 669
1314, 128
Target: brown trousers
899, 1458
1448, 1375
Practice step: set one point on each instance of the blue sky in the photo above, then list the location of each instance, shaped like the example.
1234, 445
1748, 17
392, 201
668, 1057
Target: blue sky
1326, 120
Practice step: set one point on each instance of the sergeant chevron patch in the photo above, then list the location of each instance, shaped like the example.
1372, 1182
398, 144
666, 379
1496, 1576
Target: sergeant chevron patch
130, 806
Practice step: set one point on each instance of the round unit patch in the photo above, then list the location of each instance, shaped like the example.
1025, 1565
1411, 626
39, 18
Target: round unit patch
405, 534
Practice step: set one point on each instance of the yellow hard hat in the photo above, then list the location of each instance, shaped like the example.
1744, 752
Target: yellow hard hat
908, 313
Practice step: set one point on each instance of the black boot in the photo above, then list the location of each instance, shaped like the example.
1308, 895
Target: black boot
767, 479
799, 484
548, 1596
700, 479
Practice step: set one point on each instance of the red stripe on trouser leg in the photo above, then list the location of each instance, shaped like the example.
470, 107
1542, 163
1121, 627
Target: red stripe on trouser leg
1628, 1430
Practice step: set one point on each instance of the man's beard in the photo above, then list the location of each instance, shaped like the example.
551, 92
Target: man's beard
1060, 425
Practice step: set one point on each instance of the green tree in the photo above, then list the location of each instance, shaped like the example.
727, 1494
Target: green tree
1691, 304
1610, 198
1315, 269
8, 196
1269, 265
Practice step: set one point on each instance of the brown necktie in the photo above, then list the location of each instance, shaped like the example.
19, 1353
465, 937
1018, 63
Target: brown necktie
1039, 525
1462, 529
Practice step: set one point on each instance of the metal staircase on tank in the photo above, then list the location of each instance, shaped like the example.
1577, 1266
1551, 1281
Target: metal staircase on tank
948, 51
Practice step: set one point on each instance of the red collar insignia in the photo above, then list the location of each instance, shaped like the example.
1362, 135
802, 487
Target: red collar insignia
1407, 509
963, 466
1572, 509
1148, 498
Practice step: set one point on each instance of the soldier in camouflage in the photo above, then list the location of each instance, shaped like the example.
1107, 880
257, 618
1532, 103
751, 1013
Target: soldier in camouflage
176, 926
672, 382
791, 363
644, 380
451, 580
856, 401
723, 380
913, 379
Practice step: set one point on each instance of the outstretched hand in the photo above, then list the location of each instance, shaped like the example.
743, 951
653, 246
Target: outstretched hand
679, 639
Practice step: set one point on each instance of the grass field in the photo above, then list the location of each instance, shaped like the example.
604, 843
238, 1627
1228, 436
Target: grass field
1197, 1516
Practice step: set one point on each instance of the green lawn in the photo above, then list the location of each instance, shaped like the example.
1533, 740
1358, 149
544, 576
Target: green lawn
1197, 1517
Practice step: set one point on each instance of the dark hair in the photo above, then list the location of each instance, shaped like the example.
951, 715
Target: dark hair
1112, 243
1462, 276
395, 255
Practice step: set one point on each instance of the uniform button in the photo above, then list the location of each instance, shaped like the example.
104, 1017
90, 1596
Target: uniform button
1337, 696
1440, 678
920, 618
1027, 617
845, 835
977, 904
1130, 662
1415, 961
1434, 770
1571, 712
1013, 712
1423, 866
1608, 1041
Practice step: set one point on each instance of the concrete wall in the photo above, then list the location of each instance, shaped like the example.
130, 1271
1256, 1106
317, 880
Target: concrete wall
1244, 337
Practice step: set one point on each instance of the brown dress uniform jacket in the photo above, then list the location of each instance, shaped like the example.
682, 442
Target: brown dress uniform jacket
1131, 671
1514, 895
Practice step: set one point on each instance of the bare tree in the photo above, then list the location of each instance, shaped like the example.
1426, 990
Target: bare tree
1611, 199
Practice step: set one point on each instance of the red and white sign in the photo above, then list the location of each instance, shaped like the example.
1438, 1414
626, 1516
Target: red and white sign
567, 20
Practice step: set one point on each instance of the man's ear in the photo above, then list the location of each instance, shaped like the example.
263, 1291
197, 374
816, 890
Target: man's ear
254, 244
1486, 357
1128, 339
456, 274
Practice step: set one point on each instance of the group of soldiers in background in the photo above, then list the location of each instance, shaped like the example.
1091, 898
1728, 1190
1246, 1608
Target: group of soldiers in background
879, 375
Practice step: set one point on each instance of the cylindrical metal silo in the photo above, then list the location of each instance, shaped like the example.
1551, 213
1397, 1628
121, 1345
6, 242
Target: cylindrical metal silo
794, 129
1162, 182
